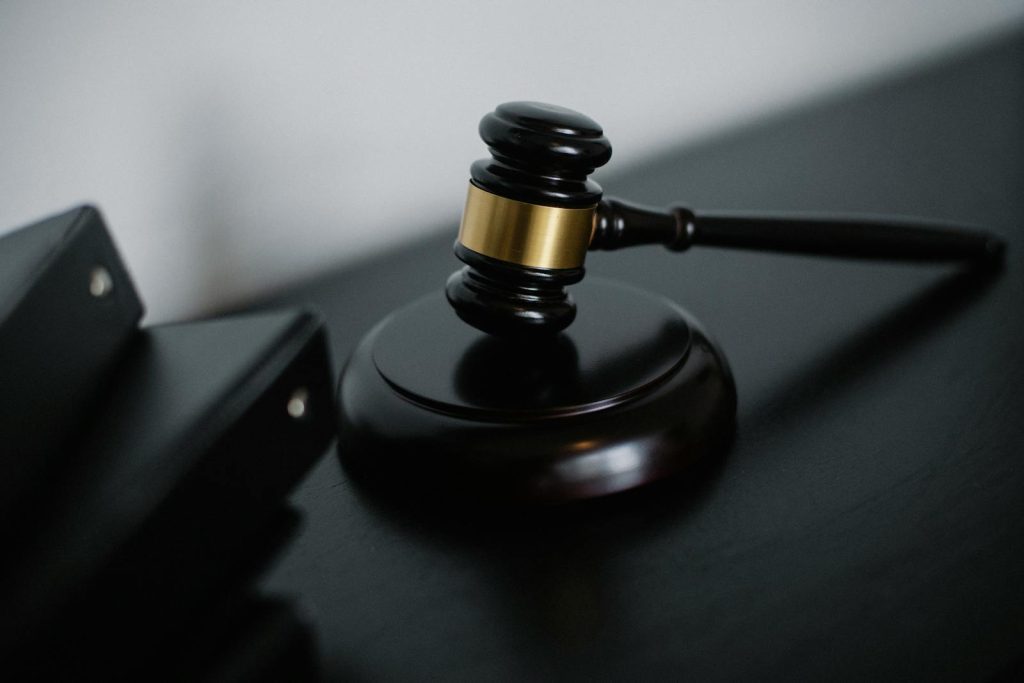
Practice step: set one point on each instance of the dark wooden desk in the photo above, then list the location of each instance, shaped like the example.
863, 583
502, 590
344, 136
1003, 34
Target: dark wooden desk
869, 519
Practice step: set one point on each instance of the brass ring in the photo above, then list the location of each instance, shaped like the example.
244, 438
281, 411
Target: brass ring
527, 234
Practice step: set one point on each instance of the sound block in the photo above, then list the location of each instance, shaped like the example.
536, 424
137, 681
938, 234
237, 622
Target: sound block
634, 391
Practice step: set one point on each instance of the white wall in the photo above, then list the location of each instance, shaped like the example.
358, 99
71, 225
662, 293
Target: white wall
236, 146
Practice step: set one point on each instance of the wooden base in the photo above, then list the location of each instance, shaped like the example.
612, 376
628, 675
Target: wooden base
632, 392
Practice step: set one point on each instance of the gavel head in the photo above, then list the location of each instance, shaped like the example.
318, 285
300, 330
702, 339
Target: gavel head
528, 220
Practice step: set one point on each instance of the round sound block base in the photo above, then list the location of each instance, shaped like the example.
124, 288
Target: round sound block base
634, 391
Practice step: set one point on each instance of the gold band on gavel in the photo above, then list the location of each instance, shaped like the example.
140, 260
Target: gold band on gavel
527, 234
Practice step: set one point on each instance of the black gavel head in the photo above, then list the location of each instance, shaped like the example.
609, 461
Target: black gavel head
528, 220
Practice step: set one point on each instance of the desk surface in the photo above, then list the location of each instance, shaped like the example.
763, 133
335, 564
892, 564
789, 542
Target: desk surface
868, 519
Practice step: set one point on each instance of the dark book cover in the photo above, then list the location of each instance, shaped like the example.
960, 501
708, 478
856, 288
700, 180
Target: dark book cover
174, 493
67, 310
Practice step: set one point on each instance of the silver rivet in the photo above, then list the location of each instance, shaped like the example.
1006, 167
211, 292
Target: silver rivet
298, 404
100, 282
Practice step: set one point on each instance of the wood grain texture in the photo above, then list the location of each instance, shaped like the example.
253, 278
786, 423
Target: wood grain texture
869, 518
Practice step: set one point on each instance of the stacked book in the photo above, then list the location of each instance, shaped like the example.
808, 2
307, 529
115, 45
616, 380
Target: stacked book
145, 472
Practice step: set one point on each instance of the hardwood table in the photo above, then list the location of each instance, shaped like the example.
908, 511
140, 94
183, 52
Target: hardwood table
868, 520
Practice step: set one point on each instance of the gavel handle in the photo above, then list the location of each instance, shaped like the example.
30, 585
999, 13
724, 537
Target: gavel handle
621, 224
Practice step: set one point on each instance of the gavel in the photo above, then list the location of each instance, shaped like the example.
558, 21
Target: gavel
530, 402
532, 213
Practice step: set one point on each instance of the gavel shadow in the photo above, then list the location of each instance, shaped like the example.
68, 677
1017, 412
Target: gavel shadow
871, 350
555, 569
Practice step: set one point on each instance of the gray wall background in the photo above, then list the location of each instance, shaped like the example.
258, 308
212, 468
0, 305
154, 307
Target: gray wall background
235, 146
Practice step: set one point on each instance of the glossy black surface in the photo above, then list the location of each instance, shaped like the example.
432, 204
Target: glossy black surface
509, 300
628, 340
541, 154
866, 523
623, 224
632, 393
